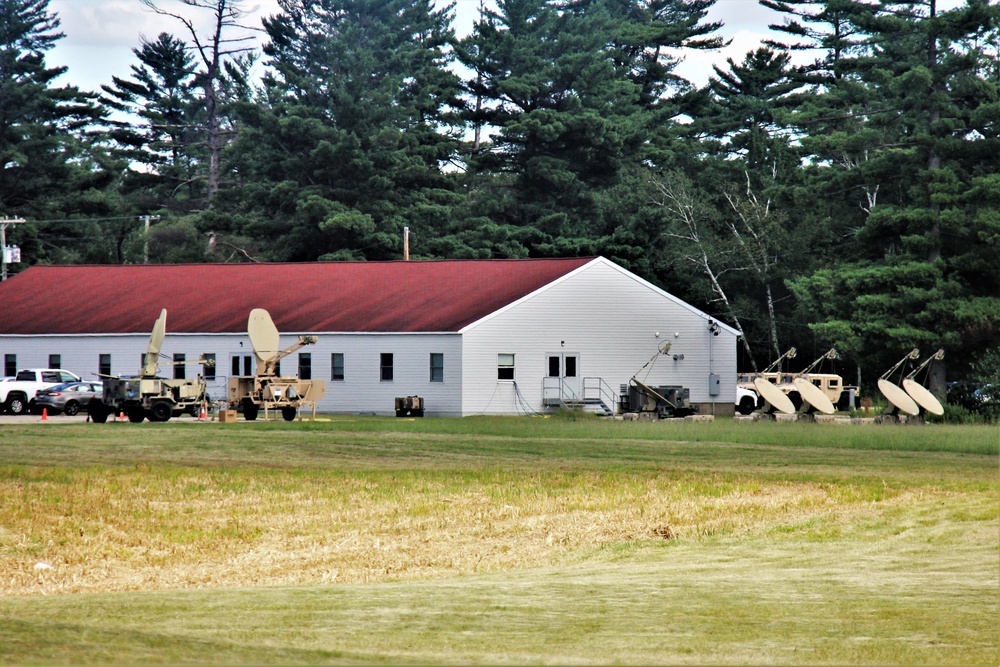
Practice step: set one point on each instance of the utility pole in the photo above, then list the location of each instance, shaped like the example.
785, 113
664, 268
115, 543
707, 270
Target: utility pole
145, 242
3, 243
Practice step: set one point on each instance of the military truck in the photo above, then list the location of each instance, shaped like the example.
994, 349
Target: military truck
793, 385
267, 389
147, 395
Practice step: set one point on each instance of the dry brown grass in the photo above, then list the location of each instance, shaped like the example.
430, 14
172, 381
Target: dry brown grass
113, 529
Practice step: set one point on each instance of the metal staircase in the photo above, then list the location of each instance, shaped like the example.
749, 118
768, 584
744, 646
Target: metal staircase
595, 395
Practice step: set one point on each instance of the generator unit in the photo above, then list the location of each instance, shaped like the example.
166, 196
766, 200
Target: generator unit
662, 400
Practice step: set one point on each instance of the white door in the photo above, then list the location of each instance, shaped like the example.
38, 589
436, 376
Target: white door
563, 370
241, 364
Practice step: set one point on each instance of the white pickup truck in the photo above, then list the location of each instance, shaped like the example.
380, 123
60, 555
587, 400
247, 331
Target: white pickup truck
18, 395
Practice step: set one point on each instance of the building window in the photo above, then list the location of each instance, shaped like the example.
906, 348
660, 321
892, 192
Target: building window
10, 365
437, 367
208, 366
104, 364
55, 361
385, 367
337, 366
247, 365
178, 366
305, 366
505, 366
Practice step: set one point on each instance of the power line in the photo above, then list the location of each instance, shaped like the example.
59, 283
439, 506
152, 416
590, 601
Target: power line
129, 217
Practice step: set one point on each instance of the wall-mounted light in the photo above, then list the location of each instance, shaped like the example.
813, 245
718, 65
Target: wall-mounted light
656, 335
677, 334
678, 357
562, 343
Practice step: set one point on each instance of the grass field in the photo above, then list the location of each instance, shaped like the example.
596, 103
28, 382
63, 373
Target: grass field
490, 540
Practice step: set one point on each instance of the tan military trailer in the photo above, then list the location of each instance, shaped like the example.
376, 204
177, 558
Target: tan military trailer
148, 395
266, 389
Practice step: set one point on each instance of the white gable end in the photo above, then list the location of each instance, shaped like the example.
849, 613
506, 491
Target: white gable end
611, 323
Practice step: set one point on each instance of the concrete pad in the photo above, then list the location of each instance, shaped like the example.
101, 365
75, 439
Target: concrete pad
783, 418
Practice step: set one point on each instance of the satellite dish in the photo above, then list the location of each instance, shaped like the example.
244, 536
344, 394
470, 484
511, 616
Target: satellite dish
922, 397
774, 396
264, 336
813, 395
155, 343
898, 398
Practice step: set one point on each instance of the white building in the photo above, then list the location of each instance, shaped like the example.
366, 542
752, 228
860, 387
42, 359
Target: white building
470, 337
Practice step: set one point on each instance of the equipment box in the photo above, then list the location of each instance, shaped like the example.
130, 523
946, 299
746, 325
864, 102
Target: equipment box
409, 406
227, 415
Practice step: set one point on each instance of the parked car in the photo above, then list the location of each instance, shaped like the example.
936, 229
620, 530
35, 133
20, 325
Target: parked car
18, 395
68, 398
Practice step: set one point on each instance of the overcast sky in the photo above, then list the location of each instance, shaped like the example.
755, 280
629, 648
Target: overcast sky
100, 34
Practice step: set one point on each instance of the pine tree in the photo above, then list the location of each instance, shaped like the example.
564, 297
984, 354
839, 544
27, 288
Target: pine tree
40, 124
348, 143
46, 171
155, 137
218, 53
915, 275
573, 97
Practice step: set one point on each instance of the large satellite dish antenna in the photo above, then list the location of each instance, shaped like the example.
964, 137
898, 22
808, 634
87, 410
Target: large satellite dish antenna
919, 393
264, 337
809, 392
898, 398
149, 363
774, 396
813, 395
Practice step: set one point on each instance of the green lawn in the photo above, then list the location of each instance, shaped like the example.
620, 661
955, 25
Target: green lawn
492, 540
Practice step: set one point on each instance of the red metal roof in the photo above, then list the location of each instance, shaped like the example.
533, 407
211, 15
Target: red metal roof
308, 297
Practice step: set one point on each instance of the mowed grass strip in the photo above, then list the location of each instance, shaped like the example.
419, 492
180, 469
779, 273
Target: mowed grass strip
883, 594
328, 543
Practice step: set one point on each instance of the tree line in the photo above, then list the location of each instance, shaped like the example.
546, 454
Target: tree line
852, 201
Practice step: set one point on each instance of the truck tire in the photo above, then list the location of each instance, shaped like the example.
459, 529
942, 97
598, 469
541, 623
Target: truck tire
250, 410
160, 411
98, 411
288, 413
17, 404
135, 414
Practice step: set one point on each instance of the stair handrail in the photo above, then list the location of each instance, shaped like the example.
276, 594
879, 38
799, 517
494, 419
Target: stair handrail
605, 393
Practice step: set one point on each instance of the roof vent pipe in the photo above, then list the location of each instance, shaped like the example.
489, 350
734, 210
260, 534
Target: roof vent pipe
406, 244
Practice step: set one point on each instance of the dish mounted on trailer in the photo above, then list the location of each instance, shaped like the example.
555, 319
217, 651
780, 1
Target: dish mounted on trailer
266, 389
147, 395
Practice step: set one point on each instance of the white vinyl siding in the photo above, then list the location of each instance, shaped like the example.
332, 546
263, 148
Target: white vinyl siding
609, 319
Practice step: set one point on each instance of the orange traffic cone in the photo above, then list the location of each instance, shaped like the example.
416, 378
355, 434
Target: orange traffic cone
121, 416
204, 415
45, 414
